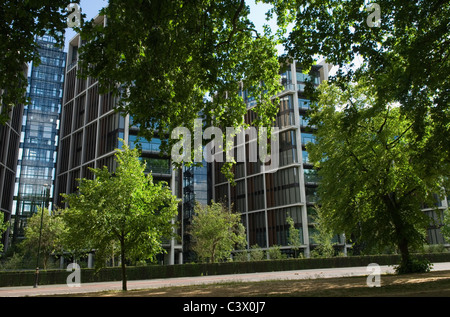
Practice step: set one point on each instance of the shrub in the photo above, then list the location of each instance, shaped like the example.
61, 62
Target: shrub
275, 253
414, 266
241, 256
256, 254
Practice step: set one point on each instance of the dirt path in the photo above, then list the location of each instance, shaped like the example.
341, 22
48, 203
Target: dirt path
434, 284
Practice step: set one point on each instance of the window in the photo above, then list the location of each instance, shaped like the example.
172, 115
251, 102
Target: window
255, 190
304, 104
288, 148
282, 187
308, 137
238, 196
257, 229
278, 227
301, 78
285, 116
311, 176
79, 111
305, 157
311, 194
286, 78
304, 121
77, 149
156, 165
109, 133
152, 146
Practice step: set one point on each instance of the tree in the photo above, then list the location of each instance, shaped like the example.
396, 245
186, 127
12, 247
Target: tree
395, 55
322, 236
20, 22
3, 228
294, 239
216, 232
124, 207
171, 61
50, 235
374, 174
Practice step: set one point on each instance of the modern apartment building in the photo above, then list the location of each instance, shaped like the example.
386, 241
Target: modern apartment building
265, 199
90, 133
196, 189
9, 151
39, 138
436, 214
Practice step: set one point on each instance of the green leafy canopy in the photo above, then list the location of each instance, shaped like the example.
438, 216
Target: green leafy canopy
20, 22
125, 208
216, 232
405, 58
173, 61
375, 175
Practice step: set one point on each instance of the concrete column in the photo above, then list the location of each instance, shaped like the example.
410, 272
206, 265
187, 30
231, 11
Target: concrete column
90, 260
171, 253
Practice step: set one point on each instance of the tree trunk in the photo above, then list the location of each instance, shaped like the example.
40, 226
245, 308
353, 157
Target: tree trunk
122, 259
404, 251
212, 258
399, 227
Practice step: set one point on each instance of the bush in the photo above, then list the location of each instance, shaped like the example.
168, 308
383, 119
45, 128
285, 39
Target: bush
436, 248
256, 254
23, 278
414, 265
241, 256
275, 253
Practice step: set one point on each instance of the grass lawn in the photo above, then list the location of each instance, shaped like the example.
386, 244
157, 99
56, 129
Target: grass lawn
434, 284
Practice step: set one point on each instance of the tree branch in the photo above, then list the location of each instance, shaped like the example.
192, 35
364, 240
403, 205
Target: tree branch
355, 157
234, 25
388, 146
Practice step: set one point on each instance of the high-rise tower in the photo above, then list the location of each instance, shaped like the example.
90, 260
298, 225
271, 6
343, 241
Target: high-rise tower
39, 138
9, 150
91, 132
266, 198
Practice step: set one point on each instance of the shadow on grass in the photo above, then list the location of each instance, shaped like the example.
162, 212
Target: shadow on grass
434, 284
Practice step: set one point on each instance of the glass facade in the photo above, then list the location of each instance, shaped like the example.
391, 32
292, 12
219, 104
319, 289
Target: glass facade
39, 137
9, 149
266, 199
196, 189
92, 131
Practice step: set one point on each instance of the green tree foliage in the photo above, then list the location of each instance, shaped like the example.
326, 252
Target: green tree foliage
274, 253
3, 229
374, 177
125, 207
294, 239
164, 57
20, 22
256, 253
323, 236
53, 229
216, 232
405, 57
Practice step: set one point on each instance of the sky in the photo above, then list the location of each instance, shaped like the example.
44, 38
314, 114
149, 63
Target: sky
92, 7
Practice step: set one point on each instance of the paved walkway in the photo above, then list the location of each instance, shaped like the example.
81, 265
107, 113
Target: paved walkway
180, 281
